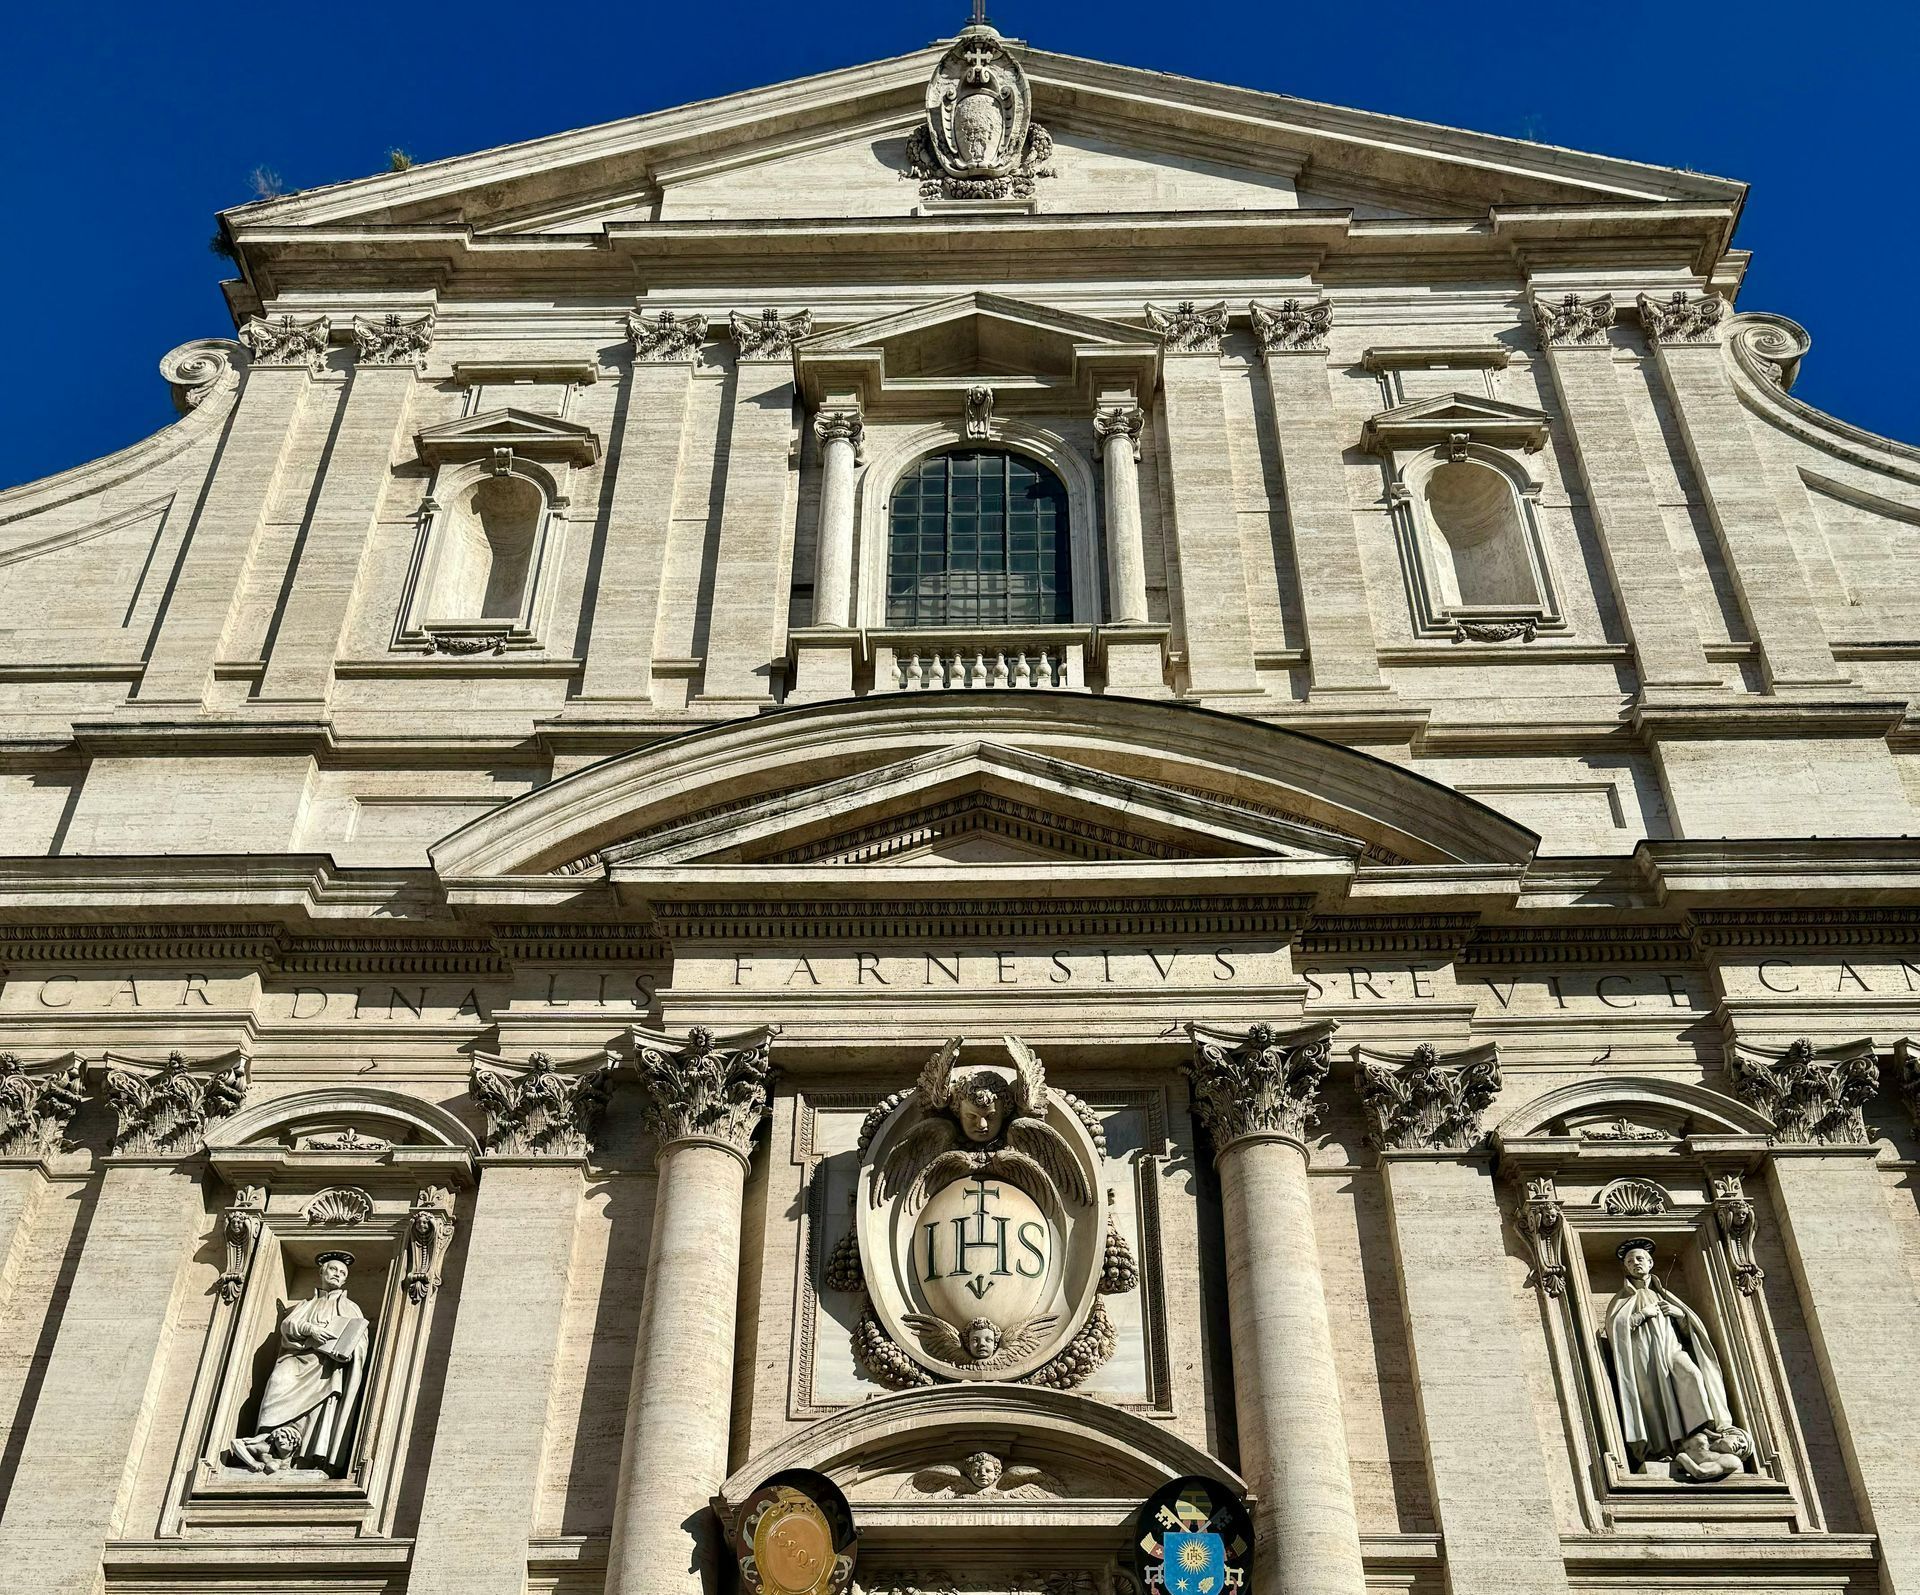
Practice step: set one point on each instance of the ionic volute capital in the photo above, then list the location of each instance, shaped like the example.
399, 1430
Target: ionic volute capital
393, 340
1258, 1081
1811, 1095
542, 1108
704, 1087
1293, 326
1571, 322
282, 341
1118, 422
1428, 1100
841, 425
1681, 317
670, 336
37, 1102
163, 1109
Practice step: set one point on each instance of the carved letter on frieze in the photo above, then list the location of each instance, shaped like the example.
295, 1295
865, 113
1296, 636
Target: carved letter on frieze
37, 1101
164, 1109
1258, 1082
1292, 325
768, 335
429, 1227
242, 1231
1189, 328
704, 1088
671, 335
1681, 317
282, 341
1427, 1102
1123, 421
1812, 1095
1571, 320
1539, 1219
543, 1109
1735, 1215
392, 340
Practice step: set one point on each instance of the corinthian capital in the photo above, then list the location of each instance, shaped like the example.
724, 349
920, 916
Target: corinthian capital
769, 335
1428, 1101
1258, 1081
705, 1087
1188, 328
1292, 326
163, 1109
37, 1100
1812, 1095
1681, 317
667, 337
1570, 320
1118, 421
542, 1109
282, 341
392, 340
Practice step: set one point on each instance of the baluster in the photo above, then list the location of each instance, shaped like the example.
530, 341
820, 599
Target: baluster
1022, 669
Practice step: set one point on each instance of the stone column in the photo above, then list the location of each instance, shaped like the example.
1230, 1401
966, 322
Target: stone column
841, 433
1486, 1462
1217, 626
373, 420
1654, 604
703, 1099
1342, 655
1256, 1093
646, 476
245, 475
95, 1402
482, 1485
1846, 1253
1683, 331
746, 630
1116, 434
37, 1101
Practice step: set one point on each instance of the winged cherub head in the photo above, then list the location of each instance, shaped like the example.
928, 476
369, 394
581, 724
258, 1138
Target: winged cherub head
982, 1102
982, 1338
983, 1470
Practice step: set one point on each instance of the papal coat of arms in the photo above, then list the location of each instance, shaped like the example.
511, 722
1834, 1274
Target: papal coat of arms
979, 139
981, 1236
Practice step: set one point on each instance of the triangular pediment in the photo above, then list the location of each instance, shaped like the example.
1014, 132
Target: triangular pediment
1420, 423
519, 432
981, 803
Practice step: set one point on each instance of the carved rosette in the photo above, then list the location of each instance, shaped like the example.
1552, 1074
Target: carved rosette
1187, 328
1544, 1226
978, 139
392, 340
1258, 1082
705, 1088
241, 1231
1294, 326
196, 371
1123, 422
666, 337
1570, 321
1812, 1096
37, 1102
164, 1109
1734, 1213
768, 335
429, 1228
1681, 317
282, 341
1427, 1102
542, 1109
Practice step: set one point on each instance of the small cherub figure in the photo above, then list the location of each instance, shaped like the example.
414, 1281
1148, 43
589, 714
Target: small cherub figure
268, 1454
1710, 1454
982, 1336
982, 1473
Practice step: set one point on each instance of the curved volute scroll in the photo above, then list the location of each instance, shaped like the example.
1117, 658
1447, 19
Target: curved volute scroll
983, 1240
201, 369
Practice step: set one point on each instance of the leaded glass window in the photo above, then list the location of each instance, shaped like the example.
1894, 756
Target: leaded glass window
978, 537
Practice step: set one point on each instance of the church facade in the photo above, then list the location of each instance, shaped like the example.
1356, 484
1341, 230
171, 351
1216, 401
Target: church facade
987, 826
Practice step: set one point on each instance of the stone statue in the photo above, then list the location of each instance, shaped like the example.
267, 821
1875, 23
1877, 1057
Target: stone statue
1709, 1455
1664, 1368
307, 1409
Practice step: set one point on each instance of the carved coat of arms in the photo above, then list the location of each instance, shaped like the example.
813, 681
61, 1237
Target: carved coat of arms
980, 1235
979, 139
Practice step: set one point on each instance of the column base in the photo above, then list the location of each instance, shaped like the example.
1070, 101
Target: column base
1134, 659
823, 659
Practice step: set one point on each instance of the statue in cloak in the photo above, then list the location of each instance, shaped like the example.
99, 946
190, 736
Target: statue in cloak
306, 1412
1665, 1371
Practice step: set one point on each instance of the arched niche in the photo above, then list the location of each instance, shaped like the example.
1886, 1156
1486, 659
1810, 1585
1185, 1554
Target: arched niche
1471, 540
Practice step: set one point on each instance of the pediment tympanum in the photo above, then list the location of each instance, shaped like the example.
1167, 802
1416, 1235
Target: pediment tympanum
517, 432
1423, 423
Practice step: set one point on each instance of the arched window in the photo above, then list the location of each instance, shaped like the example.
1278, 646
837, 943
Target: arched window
487, 555
1479, 541
978, 537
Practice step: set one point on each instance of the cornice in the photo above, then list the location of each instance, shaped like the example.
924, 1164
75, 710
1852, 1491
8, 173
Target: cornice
1830, 870
1732, 928
935, 920
1435, 934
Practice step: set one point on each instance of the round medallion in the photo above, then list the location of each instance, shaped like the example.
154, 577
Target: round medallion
793, 1546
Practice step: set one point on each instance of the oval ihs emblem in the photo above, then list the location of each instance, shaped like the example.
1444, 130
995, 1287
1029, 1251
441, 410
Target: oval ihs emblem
793, 1547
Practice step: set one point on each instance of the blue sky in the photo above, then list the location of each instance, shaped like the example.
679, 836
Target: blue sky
127, 127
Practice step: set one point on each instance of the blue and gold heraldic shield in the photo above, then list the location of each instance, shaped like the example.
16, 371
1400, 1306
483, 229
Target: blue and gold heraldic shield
1193, 1564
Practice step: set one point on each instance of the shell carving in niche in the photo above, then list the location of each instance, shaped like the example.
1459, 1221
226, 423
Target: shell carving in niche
340, 1205
1633, 1199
